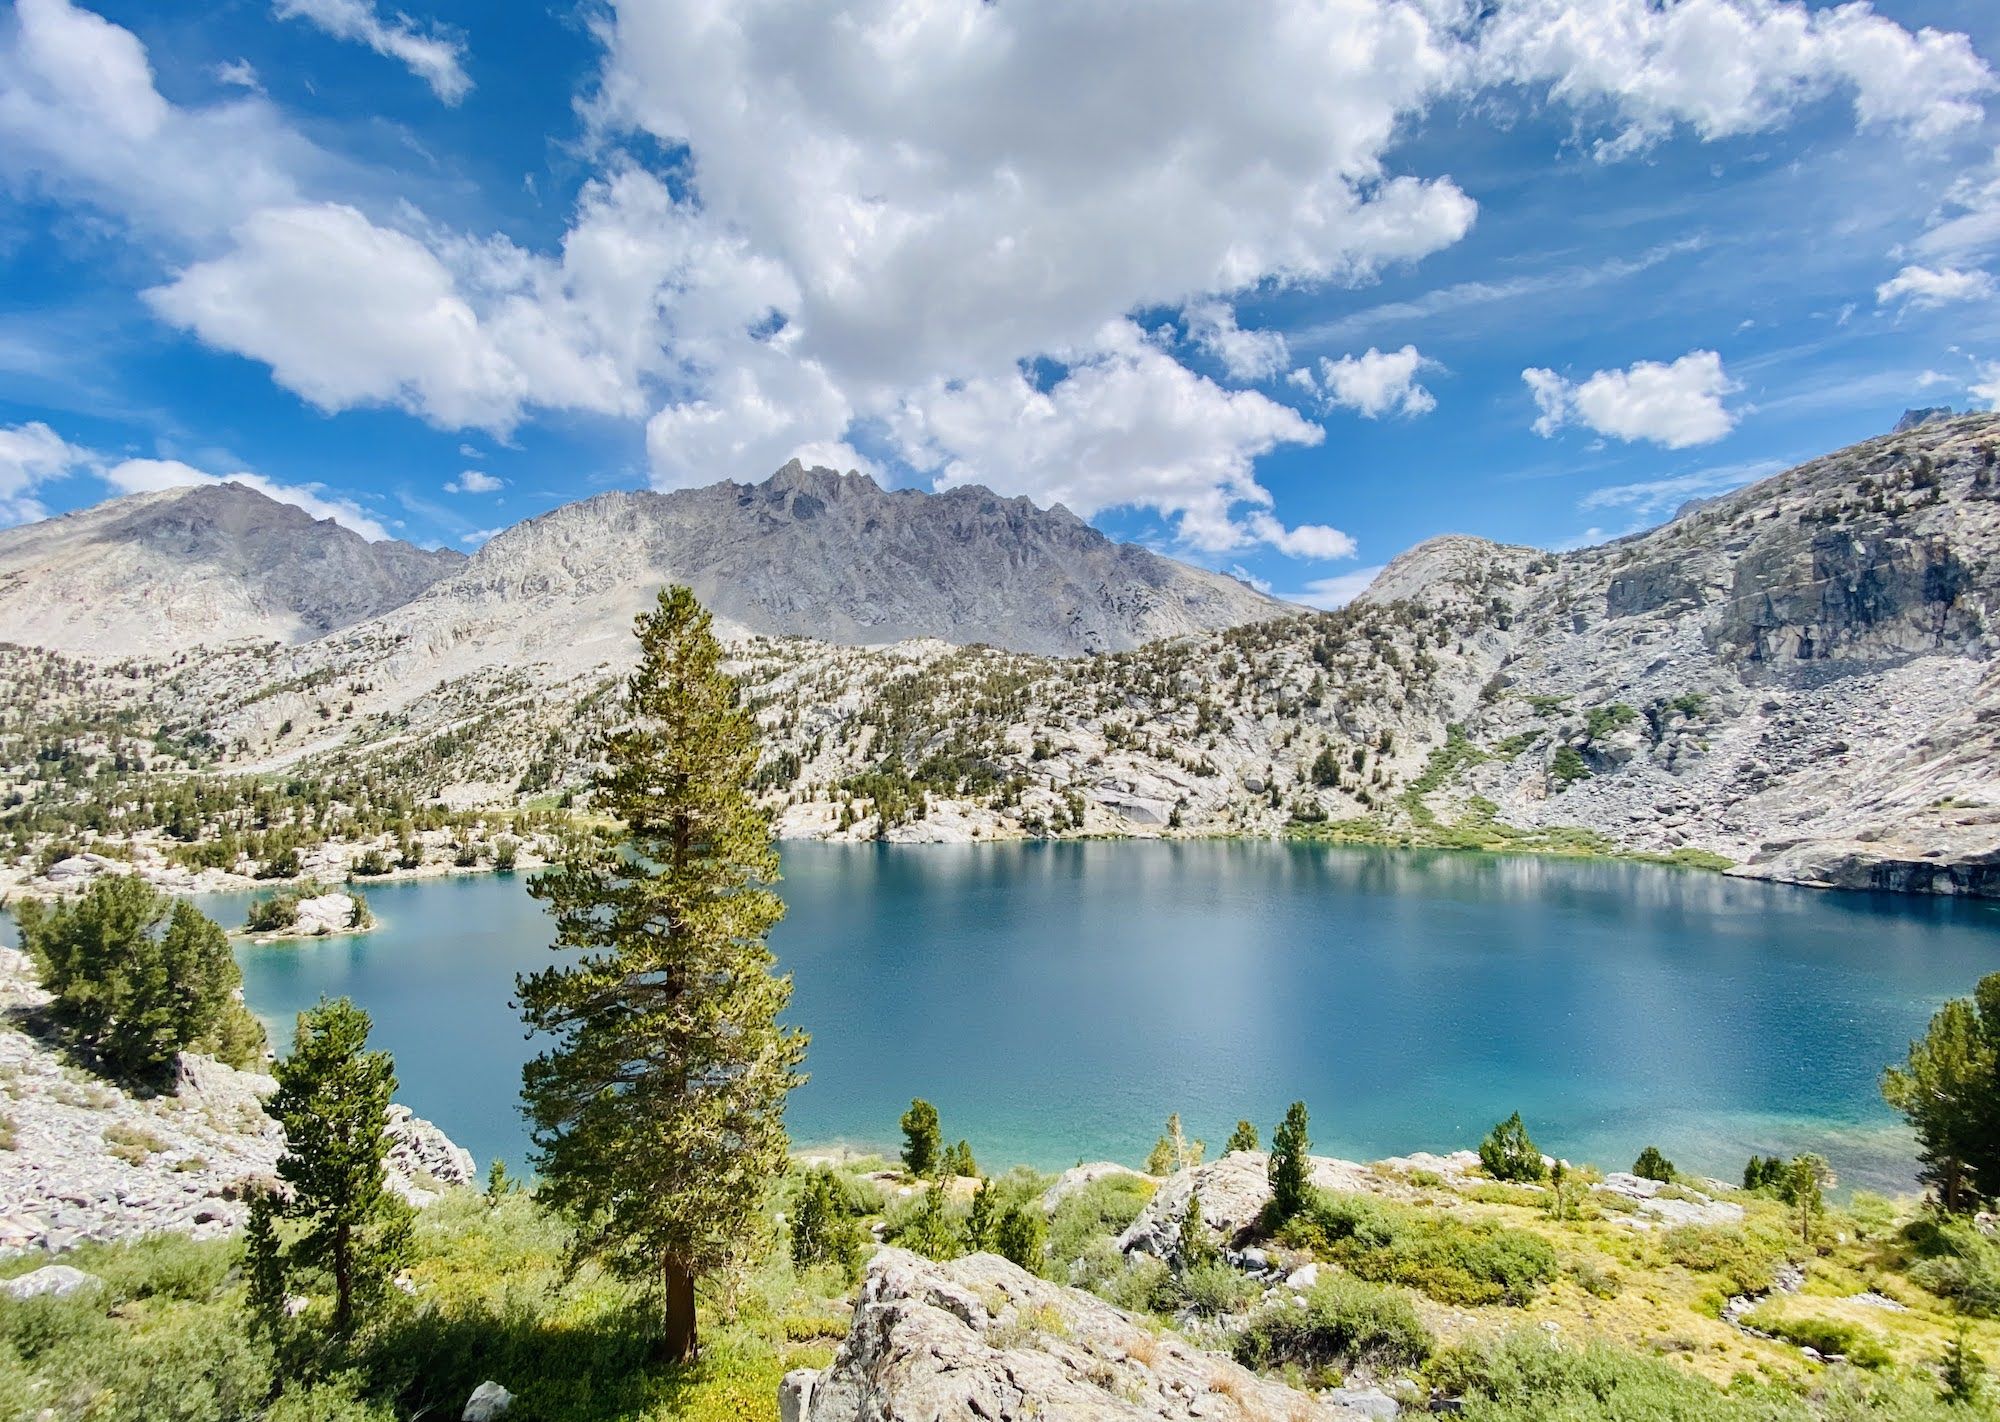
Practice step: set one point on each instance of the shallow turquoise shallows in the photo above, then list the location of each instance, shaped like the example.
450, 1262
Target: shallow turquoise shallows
1057, 1000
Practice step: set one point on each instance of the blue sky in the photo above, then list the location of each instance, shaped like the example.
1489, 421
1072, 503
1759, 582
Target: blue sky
1277, 286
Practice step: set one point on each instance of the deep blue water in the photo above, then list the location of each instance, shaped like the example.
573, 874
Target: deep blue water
1057, 1000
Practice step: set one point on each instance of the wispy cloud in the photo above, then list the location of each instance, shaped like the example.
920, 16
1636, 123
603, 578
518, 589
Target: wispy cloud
1653, 497
1448, 300
1337, 591
432, 55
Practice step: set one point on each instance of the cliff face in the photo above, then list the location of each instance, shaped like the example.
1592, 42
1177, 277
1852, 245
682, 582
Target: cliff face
1805, 670
153, 574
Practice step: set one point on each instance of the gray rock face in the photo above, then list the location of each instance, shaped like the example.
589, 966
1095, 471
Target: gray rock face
1233, 1192
154, 574
1923, 415
979, 1339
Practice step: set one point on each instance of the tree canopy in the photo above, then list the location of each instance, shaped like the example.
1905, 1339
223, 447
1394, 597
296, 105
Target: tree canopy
139, 977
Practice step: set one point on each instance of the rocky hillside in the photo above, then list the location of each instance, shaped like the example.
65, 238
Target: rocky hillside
82, 1160
1796, 679
152, 574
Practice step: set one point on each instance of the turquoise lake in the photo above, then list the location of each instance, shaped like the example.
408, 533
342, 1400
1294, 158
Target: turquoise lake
1056, 1001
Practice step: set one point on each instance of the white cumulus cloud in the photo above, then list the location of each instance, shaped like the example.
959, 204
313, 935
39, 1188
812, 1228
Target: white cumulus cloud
921, 204
32, 455
1127, 426
1675, 405
474, 481
432, 55
1986, 384
1928, 287
1245, 355
1726, 67
1373, 384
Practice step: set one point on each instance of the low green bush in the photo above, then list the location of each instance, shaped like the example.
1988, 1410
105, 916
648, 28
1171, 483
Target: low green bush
1831, 1337
1344, 1322
1102, 1208
1453, 1261
1525, 1377
1959, 1263
1213, 1288
1744, 1265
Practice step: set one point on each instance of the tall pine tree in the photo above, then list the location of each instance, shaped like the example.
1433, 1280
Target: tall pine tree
658, 1111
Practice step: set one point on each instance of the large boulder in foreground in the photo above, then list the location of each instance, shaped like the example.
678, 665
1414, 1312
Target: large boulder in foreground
979, 1339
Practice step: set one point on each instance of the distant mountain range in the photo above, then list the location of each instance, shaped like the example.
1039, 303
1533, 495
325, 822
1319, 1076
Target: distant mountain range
151, 574
808, 552
1798, 677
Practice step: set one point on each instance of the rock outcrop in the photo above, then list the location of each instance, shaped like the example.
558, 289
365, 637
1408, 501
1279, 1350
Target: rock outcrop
93, 1162
151, 575
979, 1339
1233, 1192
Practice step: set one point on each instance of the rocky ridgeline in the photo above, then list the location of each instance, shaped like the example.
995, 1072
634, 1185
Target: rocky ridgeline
157, 573
82, 1160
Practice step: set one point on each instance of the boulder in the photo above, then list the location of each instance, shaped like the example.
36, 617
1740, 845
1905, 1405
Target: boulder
422, 1155
1655, 1209
979, 1339
488, 1401
325, 913
56, 1281
1233, 1193
1369, 1402
795, 1395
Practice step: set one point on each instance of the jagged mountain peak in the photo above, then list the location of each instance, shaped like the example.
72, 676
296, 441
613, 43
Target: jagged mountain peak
817, 553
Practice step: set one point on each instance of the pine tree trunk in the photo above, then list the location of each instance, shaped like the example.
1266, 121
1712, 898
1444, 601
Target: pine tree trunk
343, 1281
678, 1344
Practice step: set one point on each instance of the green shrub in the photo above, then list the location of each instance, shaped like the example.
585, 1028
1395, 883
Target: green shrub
1344, 1322
1453, 1261
1567, 766
1745, 1265
1099, 1210
1830, 1337
1959, 1263
1525, 1377
371, 864
1213, 1288
1651, 1165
